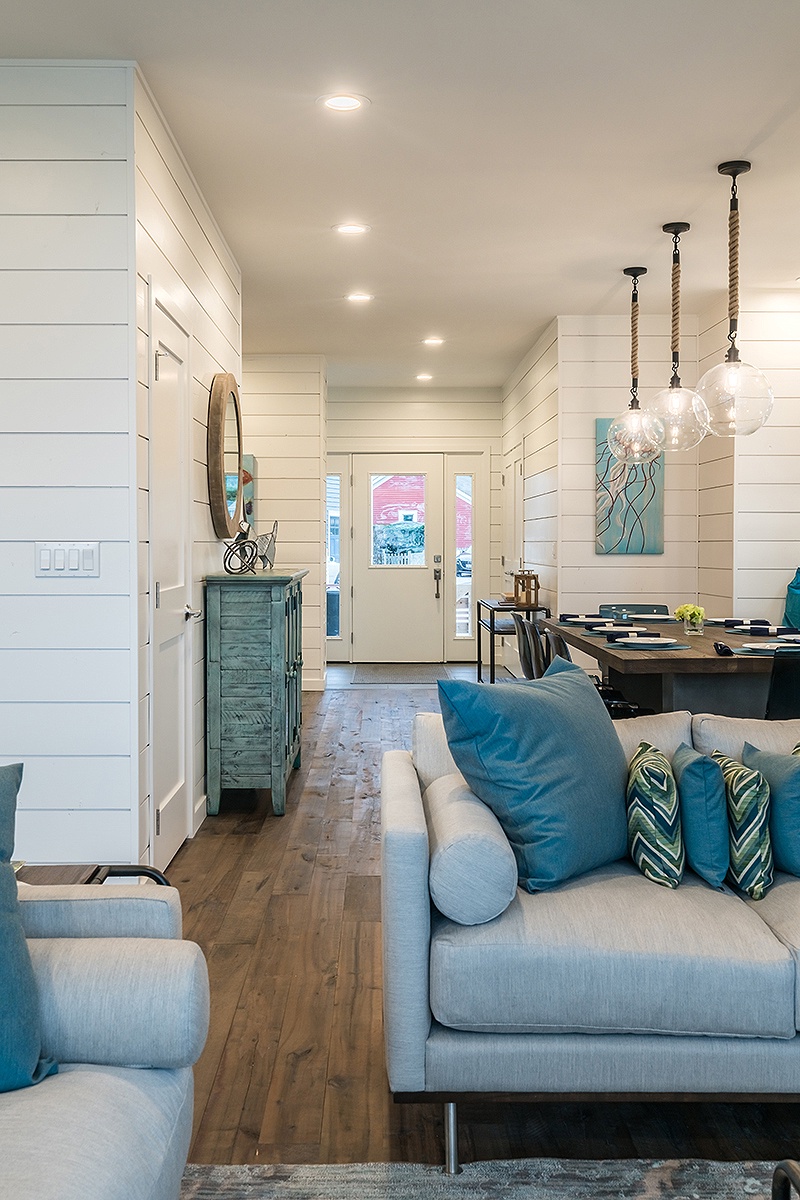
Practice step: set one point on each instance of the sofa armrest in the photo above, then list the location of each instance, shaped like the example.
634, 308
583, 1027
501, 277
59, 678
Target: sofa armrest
406, 917
122, 1002
106, 911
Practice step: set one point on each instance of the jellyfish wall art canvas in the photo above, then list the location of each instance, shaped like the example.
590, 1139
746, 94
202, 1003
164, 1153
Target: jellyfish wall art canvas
629, 513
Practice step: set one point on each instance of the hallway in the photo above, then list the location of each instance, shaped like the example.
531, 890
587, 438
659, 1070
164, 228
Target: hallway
287, 910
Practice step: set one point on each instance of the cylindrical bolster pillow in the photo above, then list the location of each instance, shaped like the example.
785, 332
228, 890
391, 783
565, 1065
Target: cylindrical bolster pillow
473, 872
75, 911
121, 1002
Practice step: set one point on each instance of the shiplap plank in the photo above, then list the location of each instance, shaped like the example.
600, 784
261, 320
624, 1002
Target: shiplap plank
64, 351
73, 835
64, 188
63, 83
64, 676
69, 729
64, 622
64, 243
63, 297
64, 405
73, 782
80, 513
64, 459
84, 131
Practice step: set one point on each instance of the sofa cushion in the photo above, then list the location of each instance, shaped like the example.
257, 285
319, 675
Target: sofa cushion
665, 730
782, 773
655, 842
704, 814
780, 911
90, 1131
545, 758
747, 793
429, 748
21, 1063
608, 952
473, 872
729, 734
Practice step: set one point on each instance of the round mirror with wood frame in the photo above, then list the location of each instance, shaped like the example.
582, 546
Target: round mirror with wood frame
225, 455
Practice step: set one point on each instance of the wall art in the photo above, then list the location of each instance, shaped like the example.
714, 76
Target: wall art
629, 511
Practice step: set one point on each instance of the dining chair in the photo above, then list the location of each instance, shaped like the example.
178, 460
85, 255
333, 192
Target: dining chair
556, 647
783, 698
533, 655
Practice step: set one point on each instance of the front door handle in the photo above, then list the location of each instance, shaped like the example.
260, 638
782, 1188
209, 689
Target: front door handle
437, 575
189, 612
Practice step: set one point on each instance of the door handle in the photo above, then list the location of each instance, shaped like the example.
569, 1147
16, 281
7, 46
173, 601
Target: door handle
437, 575
190, 612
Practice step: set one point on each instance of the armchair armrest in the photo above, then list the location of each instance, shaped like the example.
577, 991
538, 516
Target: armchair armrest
84, 911
406, 917
122, 1002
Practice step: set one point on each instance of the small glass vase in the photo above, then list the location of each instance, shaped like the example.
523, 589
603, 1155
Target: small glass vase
690, 627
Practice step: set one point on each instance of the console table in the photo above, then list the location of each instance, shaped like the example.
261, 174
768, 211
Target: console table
254, 680
488, 613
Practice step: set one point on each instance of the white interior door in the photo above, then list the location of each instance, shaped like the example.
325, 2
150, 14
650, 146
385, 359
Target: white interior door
170, 691
398, 546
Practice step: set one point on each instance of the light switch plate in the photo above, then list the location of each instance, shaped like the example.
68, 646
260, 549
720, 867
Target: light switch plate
66, 560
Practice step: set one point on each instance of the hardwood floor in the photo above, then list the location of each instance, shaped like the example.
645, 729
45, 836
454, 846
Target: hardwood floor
287, 912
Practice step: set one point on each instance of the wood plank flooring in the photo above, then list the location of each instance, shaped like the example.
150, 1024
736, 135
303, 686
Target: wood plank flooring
287, 911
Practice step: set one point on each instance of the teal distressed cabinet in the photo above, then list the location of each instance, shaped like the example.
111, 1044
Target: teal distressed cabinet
254, 682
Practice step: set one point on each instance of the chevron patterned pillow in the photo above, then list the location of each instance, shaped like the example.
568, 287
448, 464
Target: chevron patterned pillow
655, 842
747, 793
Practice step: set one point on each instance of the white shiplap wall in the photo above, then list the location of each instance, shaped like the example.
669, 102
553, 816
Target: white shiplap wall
715, 485
184, 260
580, 370
767, 474
284, 402
436, 420
67, 458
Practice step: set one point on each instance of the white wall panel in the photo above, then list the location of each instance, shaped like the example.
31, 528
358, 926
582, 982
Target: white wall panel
71, 243
64, 297
64, 406
66, 836
63, 188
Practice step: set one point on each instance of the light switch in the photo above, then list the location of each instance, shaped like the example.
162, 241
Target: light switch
70, 560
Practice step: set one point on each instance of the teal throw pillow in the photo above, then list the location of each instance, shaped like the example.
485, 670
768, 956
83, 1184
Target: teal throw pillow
20, 1041
747, 793
544, 756
704, 813
654, 821
782, 773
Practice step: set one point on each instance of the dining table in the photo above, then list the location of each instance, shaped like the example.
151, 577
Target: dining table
693, 678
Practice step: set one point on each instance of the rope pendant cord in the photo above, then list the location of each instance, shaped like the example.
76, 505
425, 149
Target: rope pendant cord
634, 344
675, 345
733, 261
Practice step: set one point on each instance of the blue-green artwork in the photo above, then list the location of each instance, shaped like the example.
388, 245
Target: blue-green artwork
629, 514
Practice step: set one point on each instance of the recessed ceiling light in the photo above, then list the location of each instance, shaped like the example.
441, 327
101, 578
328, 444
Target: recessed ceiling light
360, 297
424, 378
433, 341
351, 227
343, 103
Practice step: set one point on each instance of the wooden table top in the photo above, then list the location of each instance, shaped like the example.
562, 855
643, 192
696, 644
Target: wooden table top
64, 873
700, 658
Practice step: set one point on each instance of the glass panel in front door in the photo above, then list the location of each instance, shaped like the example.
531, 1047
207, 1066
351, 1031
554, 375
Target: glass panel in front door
398, 520
463, 555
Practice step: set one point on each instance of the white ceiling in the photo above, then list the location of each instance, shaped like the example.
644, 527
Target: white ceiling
517, 154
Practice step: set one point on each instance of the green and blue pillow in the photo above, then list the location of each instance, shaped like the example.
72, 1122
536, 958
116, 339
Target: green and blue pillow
655, 842
704, 814
544, 756
21, 1063
747, 793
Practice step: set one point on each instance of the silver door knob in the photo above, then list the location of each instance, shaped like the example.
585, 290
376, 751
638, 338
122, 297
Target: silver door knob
190, 612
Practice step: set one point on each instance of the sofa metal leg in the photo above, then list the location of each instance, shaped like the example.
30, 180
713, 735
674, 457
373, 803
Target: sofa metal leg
451, 1165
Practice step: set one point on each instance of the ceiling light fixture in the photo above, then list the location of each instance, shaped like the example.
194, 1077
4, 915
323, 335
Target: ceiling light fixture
674, 406
351, 227
424, 378
733, 398
635, 437
433, 341
343, 102
360, 297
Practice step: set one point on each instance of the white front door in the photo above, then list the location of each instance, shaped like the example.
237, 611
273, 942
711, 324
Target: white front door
398, 548
170, 690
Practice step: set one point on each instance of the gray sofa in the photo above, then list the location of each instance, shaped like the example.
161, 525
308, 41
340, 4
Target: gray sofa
608, 984
124, 1006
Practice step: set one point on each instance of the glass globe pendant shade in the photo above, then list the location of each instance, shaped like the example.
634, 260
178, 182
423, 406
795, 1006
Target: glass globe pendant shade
636, 436
733, 399
674, 408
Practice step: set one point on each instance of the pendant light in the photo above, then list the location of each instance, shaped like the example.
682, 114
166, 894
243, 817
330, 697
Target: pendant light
733, 397
674, 405
635, 437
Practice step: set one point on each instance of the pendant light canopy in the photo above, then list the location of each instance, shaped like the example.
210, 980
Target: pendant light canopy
733, 398
674, 405
636, 436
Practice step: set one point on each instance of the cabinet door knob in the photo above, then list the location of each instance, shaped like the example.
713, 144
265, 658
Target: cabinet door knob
190, 612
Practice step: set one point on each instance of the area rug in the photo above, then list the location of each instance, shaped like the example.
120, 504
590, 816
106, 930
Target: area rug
522, 1179
391, 673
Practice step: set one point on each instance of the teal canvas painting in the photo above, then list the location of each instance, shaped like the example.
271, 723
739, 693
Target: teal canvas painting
629, 511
